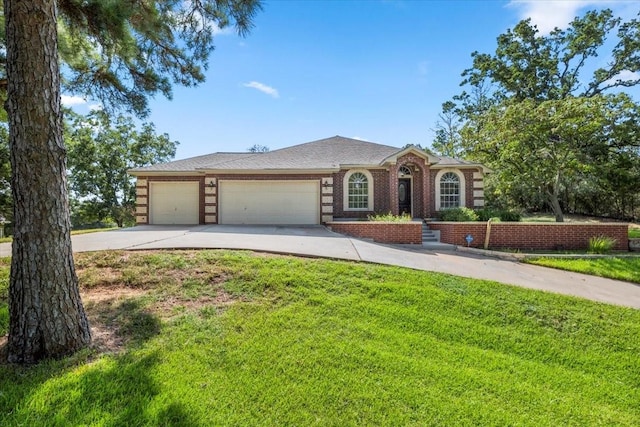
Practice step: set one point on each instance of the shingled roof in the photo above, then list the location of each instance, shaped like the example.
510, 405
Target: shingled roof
329, 153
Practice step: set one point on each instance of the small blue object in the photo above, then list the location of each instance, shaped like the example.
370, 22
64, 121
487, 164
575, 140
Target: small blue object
469, 239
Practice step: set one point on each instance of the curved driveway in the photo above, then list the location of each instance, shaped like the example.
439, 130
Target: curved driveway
317, 241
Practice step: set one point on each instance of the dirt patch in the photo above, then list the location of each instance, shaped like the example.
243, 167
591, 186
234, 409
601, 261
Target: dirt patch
117, 315
99, 294
166, 308
103, 305
125, 309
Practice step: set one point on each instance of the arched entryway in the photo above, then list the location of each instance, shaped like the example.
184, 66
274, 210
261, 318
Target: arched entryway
405, 190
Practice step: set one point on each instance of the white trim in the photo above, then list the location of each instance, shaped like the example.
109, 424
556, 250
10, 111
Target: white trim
463, 186
345, 190
410, 149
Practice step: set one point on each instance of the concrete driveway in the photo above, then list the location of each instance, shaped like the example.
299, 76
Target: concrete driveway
317, 241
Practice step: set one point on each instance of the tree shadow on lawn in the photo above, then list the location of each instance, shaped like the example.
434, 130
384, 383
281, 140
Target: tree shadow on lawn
85, 389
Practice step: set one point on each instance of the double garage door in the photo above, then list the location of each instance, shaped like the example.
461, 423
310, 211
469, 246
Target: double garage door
239, 202
269, 202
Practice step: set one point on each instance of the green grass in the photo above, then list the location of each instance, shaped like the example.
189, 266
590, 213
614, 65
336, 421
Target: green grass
634, 233
627, 268
233, 338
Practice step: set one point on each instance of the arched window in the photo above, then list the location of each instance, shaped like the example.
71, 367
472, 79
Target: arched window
449, 191
358, 191
404, 171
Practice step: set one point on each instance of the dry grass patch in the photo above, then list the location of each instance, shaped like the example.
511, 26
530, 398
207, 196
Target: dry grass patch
128, 294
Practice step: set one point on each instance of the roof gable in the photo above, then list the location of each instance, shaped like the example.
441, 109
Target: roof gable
324, 154
328, 153
413, 150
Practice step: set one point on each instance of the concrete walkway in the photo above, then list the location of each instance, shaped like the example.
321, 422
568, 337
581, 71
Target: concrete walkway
317, 241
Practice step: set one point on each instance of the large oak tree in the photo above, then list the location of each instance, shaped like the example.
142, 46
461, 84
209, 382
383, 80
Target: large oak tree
119, 52
504, 115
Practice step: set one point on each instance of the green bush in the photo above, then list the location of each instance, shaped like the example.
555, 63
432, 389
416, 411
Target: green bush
389, 217
458, 215
601, 244
510, 216
485, 214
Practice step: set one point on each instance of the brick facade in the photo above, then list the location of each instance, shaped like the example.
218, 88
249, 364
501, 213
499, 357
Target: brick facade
532, 236
380, 193
382, 232
385, 190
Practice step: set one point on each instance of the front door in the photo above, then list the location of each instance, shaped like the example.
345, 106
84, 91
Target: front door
404, 196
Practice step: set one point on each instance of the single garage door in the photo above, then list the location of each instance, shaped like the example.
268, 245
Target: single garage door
269, 202
174, 202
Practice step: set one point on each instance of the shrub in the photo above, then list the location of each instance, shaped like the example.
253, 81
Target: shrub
601, 244
389, 217
486, 214
510, 216
458, 215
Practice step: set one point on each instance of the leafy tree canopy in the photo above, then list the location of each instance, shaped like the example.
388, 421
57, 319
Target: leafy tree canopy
540, 147
529, 65
122, 52
257, 148
532, 112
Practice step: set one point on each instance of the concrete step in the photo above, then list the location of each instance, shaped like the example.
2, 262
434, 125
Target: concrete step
429, 236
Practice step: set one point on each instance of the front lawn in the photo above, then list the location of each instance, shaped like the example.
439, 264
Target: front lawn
235, 338
627, 268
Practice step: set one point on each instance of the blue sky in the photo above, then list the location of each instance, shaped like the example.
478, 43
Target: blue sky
377, 70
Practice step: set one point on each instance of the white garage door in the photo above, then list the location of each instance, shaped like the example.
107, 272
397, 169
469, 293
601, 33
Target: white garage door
269, 202
174, 202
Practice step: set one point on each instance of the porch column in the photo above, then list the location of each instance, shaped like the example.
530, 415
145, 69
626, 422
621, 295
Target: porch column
393, 189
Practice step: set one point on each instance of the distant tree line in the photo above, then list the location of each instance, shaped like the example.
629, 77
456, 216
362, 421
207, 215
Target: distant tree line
100, 150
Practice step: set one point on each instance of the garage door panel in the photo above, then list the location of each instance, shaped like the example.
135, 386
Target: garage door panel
174, 202
269, 202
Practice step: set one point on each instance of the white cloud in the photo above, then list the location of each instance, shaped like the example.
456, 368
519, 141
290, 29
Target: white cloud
217, 31
549, 14
624, 75
95, 107
70, 101
359, 138
263, 88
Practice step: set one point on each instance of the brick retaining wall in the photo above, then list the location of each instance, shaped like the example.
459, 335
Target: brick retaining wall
382, 232
532, 236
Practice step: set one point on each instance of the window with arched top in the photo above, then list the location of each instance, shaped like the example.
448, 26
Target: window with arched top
449, 191
404, 171
358, 194
358, 191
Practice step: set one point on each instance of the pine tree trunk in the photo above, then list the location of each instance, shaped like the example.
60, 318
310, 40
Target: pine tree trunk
46, 316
